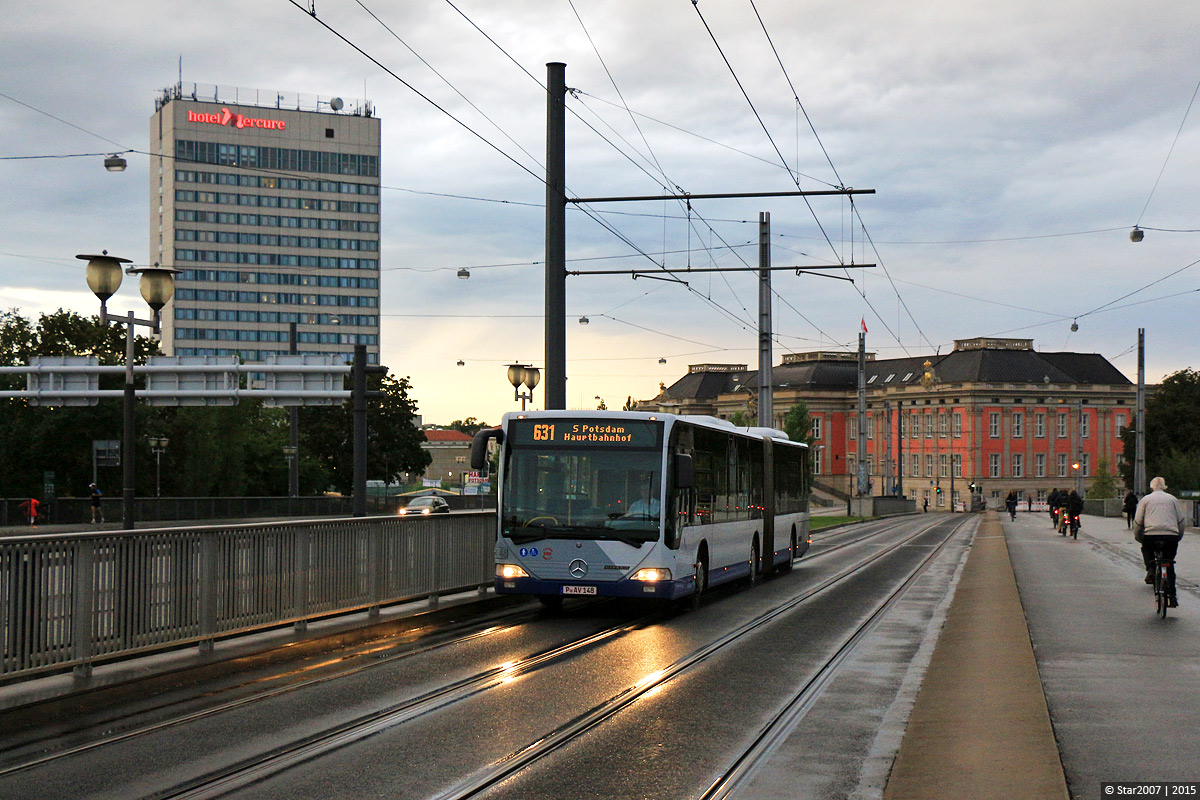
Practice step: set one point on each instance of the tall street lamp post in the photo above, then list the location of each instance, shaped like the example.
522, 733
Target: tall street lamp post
158, 446
157, 285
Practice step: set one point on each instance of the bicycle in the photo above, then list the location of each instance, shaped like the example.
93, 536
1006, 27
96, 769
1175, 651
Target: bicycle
1164, 583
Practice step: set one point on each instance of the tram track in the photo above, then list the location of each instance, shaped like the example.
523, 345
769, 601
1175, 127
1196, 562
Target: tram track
266, 765
258, 767
130, 725
501, 770
375, 655
772, 735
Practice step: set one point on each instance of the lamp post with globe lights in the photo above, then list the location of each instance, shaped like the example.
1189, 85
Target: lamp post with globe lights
523, 374
157, 284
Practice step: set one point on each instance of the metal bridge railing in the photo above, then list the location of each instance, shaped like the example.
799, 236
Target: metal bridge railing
69, 601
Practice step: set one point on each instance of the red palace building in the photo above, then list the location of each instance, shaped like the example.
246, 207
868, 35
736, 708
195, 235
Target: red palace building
993, 414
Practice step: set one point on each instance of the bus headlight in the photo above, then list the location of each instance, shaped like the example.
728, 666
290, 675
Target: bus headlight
510, 571
652, 574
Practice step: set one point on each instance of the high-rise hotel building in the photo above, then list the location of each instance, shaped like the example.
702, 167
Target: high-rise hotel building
271, 213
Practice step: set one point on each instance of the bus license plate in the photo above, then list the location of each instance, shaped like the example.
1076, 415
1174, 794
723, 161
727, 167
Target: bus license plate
579, 590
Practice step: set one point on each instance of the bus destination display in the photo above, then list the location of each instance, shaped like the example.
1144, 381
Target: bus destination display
585, 433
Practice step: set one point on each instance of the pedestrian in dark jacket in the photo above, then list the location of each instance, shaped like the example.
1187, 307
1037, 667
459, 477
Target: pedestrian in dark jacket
1130, 508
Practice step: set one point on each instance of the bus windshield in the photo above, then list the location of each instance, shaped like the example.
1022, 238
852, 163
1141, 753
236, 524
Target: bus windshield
582, 493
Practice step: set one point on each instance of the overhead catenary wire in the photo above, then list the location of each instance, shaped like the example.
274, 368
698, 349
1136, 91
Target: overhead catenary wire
761, 122
1170, 150
508, 157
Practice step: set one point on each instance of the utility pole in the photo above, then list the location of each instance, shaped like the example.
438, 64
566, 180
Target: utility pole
556, 225
889, 480
765, 398
862, 414
899, 448
1139, 432
555, 392
293, 427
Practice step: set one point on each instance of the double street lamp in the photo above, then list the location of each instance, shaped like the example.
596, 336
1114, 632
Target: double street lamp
157, 284
519, 374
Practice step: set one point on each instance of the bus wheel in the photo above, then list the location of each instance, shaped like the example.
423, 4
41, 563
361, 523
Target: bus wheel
551, 602
754, 563
701, 581
786, 566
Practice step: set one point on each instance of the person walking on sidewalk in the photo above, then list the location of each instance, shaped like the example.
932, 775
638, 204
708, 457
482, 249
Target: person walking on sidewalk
1159, 522
30, 508
97, 511
1130, 507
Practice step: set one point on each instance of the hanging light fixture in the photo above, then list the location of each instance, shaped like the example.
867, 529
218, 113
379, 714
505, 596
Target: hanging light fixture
115, 163
584, 320
1137, 234
464, 273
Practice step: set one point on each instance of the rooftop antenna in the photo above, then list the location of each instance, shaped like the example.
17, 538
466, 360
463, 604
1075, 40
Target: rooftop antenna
336, 104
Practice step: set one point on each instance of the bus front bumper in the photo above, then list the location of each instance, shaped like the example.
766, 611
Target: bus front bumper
658, 590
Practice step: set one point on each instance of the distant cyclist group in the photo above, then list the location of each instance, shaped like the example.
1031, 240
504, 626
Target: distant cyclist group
1157, 521
1065, 510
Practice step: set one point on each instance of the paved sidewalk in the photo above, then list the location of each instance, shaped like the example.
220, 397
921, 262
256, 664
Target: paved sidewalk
980, 727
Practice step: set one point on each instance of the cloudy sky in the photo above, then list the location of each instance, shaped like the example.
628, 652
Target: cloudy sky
1012, 147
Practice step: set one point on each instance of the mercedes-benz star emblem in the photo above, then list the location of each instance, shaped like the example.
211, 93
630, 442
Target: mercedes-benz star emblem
578, 568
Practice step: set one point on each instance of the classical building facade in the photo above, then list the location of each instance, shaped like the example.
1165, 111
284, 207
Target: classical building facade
993, 413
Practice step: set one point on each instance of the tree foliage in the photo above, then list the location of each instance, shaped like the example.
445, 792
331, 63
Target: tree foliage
797, 423
741, 419
212, 450
1172, 432
35, 440
393, 441
1104, 484
469, 426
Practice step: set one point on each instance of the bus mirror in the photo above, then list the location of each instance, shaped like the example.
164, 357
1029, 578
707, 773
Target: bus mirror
684, 473
479, 447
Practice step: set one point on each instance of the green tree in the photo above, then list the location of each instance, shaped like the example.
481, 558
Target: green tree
1172, 432
741, 419
797, 424
39, 439
393, 441
469, 426
1104, 484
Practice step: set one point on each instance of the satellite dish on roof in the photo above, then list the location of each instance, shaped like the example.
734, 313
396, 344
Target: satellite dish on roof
336, 104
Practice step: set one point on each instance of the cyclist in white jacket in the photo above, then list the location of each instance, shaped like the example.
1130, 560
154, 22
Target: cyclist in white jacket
1158, 521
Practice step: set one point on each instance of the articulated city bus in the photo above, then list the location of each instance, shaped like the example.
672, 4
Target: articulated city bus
642, 505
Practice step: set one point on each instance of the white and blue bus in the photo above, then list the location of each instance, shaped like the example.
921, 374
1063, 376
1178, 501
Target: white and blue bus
631, 504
